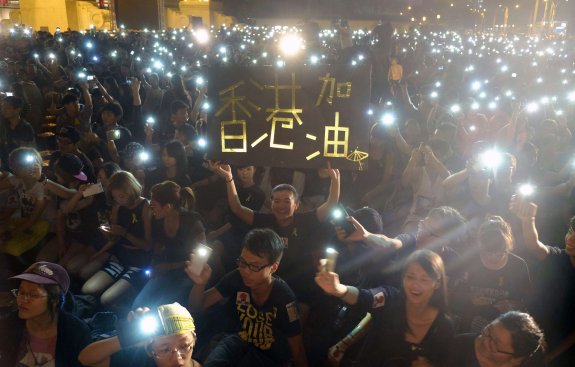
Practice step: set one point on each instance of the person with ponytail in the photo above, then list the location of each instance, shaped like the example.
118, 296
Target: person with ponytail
176, 230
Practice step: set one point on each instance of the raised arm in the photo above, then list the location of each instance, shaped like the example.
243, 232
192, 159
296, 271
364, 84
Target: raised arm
329, 282
379, 241
526, 212
323, 210
225, 172
200, 299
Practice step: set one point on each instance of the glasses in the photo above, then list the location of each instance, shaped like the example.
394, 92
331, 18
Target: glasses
492, 343
27, 295
241, 263
167, 352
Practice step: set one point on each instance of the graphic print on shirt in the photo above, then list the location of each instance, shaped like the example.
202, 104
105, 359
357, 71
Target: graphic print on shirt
256, 325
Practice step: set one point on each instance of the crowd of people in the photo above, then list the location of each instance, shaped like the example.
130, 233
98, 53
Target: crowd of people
124, 245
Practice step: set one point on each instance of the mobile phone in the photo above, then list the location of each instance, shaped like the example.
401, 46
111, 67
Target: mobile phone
338, 218
113, 134
331, 259
90, 78
201, 255
93, 189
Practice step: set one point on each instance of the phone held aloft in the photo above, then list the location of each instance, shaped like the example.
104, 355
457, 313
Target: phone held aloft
200, 257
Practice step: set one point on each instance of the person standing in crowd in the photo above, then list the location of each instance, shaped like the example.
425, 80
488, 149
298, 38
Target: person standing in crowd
394, 75
512, 340
42, 333
173, 346
408, 326
269, 328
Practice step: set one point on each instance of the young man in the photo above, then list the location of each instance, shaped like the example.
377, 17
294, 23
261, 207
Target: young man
74, 114
113, 136
172, 346
269, 331
301, 233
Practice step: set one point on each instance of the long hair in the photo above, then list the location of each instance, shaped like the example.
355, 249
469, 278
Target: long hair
433, 266
176, 150
124, 181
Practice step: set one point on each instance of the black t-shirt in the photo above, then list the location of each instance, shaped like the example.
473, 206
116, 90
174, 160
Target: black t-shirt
479, 289
132, 357
300, 240
22, 136
179, 247
463, 351
159, 175
554, 296
385, 343
266, 326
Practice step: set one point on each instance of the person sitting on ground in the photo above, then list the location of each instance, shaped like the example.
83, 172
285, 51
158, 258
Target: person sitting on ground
270, 332
172, 346
512, 340
42, 334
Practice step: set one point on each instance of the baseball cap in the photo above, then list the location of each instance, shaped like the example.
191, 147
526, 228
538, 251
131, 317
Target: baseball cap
369, 218
70, 133
71, 164
44, 272
176, 319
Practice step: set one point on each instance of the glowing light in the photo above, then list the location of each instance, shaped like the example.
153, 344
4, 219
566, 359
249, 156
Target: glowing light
455, 108
202, 36
149, 325
291, 44
388, 119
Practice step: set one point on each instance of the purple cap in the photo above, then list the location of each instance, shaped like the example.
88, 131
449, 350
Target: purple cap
44, 272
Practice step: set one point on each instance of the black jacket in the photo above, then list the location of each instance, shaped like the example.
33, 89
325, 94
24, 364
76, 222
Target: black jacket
73, 336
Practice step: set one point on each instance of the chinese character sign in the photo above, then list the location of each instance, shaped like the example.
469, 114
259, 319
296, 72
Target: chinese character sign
297, 117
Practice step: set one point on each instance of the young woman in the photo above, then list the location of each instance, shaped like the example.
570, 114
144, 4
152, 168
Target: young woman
512, 340
83, 262
128, 241
408, 326
174, 167
42, 334
176, 231
495, 280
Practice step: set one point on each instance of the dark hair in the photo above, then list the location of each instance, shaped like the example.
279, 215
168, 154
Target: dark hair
433, 266
264, 242
169, 192
178, 105
55, 299
110, 168
495, 234
453, 224
69, 98
115, 108
176, 150
188, 131
15, 102
286, 187
526, 336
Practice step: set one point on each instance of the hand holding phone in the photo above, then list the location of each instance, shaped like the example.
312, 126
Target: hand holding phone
113, 134
198, 259
339, 219
93, 190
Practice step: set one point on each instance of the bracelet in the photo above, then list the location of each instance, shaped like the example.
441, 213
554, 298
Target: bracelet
230, 180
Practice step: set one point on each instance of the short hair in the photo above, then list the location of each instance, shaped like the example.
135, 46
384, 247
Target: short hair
286, 187
125, 181
110, 168
526, 336
69, 98
115, 108
15, 102
495, 234
178, 105
18, 158
265, 243
188, 131
452, 224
